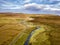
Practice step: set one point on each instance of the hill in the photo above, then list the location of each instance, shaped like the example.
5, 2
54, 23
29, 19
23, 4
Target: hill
52, 27
14, 24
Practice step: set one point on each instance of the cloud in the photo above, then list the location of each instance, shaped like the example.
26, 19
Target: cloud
26, 1
36, 6
9, 5
39, 7
46, 1
52, 9
32, 7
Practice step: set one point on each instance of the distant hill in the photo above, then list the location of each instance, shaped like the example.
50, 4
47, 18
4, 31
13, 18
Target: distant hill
19, 15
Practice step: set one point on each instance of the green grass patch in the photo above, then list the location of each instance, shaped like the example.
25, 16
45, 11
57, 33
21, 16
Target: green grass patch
23, 38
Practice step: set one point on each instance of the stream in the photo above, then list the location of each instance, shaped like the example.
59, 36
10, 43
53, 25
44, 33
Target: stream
30, 35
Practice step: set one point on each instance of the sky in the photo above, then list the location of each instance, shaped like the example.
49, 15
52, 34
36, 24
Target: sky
31, 6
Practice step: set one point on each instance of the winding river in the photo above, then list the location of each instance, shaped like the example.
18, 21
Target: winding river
30, 35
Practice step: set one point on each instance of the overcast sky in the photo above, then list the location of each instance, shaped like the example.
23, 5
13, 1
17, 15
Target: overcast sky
31, 6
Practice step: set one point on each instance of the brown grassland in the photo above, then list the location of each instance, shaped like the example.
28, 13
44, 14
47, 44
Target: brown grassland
10, 27
52, 27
